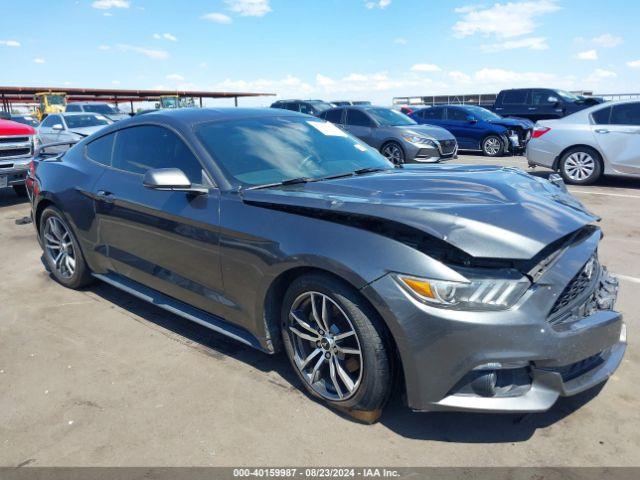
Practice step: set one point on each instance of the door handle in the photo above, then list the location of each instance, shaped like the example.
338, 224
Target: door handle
533, 108
105, 196
601, 130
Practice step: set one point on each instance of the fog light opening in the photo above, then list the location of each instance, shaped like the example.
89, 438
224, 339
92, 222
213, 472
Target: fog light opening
485, 384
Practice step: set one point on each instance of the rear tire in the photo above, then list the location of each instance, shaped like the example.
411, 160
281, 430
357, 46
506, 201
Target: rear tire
493, 146
20, 190
324, 357
61, 251
580, 166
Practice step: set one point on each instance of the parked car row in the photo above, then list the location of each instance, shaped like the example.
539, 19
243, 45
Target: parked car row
286, 233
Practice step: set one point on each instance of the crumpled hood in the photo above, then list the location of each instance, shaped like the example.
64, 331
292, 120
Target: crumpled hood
513, 122
433, 131
486, 211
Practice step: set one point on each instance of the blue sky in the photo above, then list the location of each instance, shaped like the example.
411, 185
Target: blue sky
331, 49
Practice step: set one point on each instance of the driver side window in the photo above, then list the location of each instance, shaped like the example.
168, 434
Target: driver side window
356, 118
138, 149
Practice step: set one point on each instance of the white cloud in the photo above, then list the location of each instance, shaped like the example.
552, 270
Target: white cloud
502, 20
382, 4
115, 82
425, 67
174, 77
249, 8
107, 4
598, 75
400, 41
38, 60
587, 55
607, 40
217, 17
166, 36
104, 47
10, 43
531, 43
148, 52
459, 77
633, 64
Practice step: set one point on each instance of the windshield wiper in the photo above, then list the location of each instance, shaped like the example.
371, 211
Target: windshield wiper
361, 171
290, 181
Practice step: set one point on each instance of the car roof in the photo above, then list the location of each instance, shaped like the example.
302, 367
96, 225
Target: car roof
74, 114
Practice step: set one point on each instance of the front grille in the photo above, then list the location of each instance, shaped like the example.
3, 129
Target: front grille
447, 146
15, 152
578, 285
14, 139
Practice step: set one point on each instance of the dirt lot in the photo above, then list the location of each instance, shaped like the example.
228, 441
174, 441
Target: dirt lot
99, 378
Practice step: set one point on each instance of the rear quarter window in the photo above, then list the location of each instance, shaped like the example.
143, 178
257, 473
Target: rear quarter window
514, 97
601, 117
101, 150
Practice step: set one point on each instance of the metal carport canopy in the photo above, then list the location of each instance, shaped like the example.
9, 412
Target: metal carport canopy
25, 94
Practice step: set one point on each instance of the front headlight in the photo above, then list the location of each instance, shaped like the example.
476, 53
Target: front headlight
418, 140
476, 294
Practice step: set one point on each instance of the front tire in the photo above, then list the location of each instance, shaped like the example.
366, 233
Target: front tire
581, 166
492, 146
393, 152
61, 251
337, 346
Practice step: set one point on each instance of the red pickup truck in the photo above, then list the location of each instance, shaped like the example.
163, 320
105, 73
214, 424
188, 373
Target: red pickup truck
17, 146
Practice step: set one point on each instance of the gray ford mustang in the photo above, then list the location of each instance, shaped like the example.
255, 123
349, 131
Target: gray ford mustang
478, 287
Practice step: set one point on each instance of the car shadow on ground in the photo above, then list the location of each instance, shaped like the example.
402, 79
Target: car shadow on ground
435, 426
8, 198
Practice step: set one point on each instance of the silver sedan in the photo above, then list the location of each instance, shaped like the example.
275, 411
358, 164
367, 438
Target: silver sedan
600, 140
70, 127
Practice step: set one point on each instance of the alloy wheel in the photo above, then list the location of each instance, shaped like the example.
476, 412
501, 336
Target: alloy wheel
59, 247
579, 166
492, 146
326, 349
393, 153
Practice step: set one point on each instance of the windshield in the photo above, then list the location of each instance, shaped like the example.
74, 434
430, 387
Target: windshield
483, 114
569, 97
81, 121
260, 151
26, 119
100, 108
169, 102
56, 100
321, 106
389, 118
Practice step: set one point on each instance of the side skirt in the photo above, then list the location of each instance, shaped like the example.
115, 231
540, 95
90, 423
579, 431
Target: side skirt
180, 308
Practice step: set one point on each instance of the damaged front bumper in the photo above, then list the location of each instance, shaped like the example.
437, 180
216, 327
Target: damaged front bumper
517, 360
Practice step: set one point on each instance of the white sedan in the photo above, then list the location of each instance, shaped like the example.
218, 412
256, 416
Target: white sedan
70, 127
600, 140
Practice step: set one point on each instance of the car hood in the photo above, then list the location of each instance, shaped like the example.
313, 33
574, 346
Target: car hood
86, 131
9, 127
513, 122
438, 133
486, 211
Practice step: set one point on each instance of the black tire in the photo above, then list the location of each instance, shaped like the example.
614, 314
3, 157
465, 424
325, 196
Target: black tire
492, 146
579, 161
375, 383
20, 190
81, 275
394, 152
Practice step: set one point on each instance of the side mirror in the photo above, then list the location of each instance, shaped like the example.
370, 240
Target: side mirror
553, 100
58, 126
170, 179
